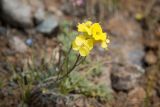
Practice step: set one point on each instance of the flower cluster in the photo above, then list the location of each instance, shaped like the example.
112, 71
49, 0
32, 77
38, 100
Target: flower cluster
90, 34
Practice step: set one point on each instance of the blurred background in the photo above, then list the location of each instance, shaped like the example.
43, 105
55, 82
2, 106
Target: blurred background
39, 28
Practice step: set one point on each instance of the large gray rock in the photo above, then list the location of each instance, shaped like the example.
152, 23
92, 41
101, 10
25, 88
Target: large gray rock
39, 15
125, 78
16, 12
55, 99
126, 45
48, 26
126, 51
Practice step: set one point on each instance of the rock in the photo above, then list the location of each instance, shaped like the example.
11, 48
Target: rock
18, 45
126, 51
38, 7
136, 97
55, 99
48, 26
126, 77
125, 28
126, 46
39, 15
54, 6
157, 32
105, 78
133, 54
29, 42
3, 31
16, 13
151, 58
120, 99
8, 96
68, 8
151, 43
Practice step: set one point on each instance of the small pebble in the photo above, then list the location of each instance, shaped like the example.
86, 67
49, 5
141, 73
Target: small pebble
150, 58
29, 42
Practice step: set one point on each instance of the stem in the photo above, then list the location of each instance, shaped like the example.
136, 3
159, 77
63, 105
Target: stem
75, 64
71, 69
61, 67
66, 57
81, 61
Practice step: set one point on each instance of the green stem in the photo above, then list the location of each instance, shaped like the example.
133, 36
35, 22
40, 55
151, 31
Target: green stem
61, 67
72, 68
67, 56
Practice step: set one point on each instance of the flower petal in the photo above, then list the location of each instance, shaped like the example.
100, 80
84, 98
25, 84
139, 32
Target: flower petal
83, 51
103, 37
80, 40
85, 27
75, 46
96, 28
81, 27
107, 41
89, 43
88, 23
104, 45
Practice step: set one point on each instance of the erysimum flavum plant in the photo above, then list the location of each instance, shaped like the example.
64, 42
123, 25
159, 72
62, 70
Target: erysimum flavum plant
57, 76
89, 34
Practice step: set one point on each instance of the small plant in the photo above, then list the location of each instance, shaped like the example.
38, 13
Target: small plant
59, 76
75, 82
90, 34
81, 84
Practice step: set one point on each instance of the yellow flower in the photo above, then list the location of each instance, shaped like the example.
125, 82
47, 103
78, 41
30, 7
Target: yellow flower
97, 32
90, 35
82, 45
85, 27
99, 36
